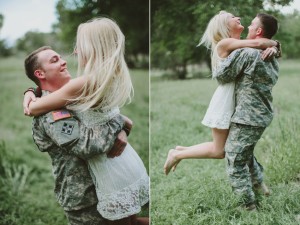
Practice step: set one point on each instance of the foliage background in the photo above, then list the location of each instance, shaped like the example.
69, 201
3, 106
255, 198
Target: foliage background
177, 26
131, 15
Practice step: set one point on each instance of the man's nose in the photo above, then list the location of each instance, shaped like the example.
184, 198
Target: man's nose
63, 62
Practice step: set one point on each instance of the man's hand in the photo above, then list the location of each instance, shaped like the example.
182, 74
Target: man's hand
127, 124
28, 97
119, 145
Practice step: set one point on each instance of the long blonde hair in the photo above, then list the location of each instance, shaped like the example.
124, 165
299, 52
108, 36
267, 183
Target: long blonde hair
100, 47
216, 30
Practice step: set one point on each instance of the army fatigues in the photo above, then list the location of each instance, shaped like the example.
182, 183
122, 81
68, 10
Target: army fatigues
254, 79
58, 133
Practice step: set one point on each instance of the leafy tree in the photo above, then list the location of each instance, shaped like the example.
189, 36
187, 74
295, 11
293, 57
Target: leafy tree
1, 20
33, 40
4, 49
131, 15
177, 26
290, 35
173, 31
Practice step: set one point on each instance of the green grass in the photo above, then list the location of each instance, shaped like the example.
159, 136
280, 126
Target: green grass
198, 192
26, 181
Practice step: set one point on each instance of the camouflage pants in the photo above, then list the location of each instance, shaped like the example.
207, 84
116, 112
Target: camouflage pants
242, 167
86, 216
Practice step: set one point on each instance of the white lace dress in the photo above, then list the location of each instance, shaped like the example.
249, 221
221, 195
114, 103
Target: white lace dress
221, 106
122, 183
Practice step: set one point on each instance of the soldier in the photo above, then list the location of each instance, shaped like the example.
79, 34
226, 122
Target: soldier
58, 134
254, 80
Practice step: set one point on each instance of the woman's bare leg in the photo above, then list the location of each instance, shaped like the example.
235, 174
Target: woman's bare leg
206, 150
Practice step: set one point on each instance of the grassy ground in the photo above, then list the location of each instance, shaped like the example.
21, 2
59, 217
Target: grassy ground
198, 192
26, 182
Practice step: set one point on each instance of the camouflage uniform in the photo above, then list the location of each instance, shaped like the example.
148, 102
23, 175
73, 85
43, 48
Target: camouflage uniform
74, 188
254, 79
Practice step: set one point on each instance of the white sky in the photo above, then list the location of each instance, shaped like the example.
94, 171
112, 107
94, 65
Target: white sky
290, 9
21, 16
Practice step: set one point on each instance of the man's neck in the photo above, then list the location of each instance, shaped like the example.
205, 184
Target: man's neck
48, 88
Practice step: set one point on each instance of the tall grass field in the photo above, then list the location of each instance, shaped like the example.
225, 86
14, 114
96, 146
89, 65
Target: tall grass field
26, 181
198, 192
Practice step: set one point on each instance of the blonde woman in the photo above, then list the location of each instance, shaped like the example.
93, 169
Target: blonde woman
221, 36
122, 183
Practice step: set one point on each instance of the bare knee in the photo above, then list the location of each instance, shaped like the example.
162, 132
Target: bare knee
219, 153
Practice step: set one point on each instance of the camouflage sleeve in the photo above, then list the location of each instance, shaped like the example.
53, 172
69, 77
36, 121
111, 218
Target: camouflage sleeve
74, 138
63, 132
234, 65
40, 137
97, 140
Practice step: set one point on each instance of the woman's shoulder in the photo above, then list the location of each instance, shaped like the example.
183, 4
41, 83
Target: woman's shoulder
79, 80
221, 48
75, 84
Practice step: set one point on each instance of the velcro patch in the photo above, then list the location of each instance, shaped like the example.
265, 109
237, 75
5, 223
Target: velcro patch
60, 114
67, 128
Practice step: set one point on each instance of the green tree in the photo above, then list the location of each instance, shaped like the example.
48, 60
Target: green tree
290, 35
1, 21
4, 49
33, 40
173, 28
177, 26
131, 15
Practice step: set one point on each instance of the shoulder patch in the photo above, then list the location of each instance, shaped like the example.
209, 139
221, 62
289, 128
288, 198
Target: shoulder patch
60, 114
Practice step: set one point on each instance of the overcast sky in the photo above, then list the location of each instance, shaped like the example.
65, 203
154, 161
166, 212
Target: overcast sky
21, 16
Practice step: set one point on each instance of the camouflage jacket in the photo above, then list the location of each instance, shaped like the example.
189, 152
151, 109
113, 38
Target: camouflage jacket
254, 80
60, 135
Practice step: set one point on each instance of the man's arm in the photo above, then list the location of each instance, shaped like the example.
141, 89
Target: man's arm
119, 145
41, 138
121, 140
236, 63
76, 140
108, 138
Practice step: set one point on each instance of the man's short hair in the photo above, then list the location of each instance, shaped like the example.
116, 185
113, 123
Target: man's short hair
269, 24
31, 64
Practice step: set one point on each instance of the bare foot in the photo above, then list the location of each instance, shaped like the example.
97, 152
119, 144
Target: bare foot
171, 161
179, 148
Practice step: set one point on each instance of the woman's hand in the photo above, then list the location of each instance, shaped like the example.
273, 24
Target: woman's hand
28, 97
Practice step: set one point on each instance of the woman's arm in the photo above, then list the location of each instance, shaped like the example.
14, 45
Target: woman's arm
58, 98
227, 45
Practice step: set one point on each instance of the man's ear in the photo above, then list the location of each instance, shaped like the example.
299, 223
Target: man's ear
259, 32
39, 74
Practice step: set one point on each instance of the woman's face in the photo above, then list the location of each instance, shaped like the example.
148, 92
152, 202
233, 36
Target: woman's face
234, 24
